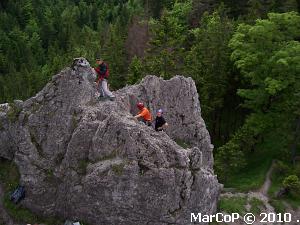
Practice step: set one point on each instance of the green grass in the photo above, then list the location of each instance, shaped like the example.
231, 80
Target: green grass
18, 213
9, 178
13, 112
9, 175
118, 168
252, 176
183, 144
233, 205
74, 121
276, 181
82, 166
291, 198
35, 107
23, 215
256, 206
35, 142
50, 177
213, 223
278, 205
26, 118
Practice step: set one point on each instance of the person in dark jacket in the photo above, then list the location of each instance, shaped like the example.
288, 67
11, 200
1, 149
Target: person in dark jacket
160, 122
102, 73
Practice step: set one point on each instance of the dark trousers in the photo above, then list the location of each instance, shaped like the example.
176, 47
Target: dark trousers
147, 122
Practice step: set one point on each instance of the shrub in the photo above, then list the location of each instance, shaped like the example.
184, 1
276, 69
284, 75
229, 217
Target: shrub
118, 169
82, 166
183, 143
13, 112
281, 168
292, 183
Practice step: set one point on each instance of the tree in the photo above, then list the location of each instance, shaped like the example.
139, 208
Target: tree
208, 63
255, 10
229, 159
155, 7
165, 55
135, 71
268, 56
288, 5
113, 52
292, 184
39, 38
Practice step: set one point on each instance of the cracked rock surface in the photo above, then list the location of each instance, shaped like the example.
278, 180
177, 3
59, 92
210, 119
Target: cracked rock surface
88, 160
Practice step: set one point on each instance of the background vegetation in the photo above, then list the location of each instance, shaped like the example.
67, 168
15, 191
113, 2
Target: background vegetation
243, 55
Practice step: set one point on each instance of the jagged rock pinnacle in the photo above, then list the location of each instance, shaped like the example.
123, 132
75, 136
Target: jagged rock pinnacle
92, 161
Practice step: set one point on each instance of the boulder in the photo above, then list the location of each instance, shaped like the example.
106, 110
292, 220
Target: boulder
91, 161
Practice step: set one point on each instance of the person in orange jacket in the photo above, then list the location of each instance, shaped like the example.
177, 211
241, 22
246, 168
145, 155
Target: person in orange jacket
144, 114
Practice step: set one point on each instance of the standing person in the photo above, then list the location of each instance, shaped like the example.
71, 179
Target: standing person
102, 72
144, 114
160, 122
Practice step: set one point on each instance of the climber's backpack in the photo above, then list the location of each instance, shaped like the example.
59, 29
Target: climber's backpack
106, 75
18, 194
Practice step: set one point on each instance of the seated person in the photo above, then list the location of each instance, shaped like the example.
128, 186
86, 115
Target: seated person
160, 122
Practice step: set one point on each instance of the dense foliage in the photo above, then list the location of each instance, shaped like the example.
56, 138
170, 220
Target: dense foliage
243, 55
38, 38
268, 56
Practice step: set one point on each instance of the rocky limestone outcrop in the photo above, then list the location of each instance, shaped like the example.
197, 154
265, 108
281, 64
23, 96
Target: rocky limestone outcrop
92, 161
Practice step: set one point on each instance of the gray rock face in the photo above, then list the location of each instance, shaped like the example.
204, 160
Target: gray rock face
92, 161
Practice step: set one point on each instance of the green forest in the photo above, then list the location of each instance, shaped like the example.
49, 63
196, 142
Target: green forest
244, 57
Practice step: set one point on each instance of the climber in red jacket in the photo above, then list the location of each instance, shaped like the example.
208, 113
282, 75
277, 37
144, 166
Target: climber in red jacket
102, 73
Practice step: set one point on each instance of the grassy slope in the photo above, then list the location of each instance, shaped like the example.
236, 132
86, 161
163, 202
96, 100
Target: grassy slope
253, 175
258, 162
233, 205
292, 199
9, 178
237, 204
